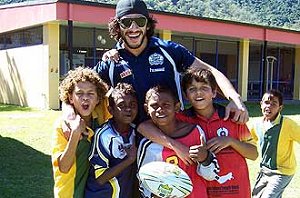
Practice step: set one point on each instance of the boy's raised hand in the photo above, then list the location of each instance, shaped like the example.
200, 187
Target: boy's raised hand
77, 127
68, 115
198, 153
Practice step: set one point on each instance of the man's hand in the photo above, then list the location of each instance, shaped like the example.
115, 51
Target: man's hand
68, 112
112, 55
239, 110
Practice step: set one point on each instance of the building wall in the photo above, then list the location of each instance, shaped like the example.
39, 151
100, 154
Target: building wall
23, 76
29, 76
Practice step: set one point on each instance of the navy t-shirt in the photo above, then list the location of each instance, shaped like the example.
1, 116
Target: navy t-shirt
150, 68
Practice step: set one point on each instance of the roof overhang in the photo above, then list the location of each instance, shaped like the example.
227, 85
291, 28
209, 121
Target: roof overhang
19, 16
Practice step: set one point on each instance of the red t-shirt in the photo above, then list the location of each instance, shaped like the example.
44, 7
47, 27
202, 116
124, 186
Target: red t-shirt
151, 151
233, 167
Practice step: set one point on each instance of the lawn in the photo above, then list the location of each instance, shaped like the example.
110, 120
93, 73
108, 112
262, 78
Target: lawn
25, 136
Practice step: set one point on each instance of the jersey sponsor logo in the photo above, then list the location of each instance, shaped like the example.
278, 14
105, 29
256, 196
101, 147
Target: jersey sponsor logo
156, 59
162, 69
222, 131
126, 73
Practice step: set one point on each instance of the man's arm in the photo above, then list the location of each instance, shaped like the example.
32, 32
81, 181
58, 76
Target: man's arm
236, 105
150, 131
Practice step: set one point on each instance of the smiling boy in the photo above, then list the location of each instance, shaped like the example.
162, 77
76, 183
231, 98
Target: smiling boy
161, 104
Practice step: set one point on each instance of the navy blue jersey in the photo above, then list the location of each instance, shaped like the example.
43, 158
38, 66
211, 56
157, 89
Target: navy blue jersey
107, 151
160, 63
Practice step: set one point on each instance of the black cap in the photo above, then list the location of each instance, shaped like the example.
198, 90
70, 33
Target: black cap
125, 7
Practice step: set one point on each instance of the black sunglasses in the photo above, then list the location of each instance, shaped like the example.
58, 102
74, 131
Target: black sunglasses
126, 22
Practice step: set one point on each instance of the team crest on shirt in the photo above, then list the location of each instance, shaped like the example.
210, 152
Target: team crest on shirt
156, 59
117, 149
222, 131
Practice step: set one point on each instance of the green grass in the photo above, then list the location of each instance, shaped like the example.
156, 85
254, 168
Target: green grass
288, 109
25, 168
25, 137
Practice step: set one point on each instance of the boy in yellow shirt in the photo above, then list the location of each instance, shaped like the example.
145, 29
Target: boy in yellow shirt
276, 135
83, 89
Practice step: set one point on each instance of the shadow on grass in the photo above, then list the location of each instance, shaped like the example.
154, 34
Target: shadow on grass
24, 171
8, 107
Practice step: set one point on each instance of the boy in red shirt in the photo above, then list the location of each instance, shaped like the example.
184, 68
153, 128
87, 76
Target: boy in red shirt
231, 142
161, 104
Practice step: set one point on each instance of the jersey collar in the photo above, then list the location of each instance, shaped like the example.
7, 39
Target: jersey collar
277, 120
218, 114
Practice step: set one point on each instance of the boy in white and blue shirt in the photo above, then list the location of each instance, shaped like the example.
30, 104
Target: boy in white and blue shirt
113, 152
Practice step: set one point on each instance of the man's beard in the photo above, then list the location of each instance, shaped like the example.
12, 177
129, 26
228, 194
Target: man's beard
123, 37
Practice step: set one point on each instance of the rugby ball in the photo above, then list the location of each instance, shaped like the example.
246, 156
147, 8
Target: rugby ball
165, 180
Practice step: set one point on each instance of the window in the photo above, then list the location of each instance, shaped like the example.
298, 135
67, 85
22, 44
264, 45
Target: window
22, 38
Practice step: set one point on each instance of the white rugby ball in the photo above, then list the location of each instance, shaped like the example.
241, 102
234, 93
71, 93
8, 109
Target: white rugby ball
165, 179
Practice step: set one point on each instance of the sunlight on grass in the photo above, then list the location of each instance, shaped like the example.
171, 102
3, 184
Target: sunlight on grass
25, 137
7, 107
33, 128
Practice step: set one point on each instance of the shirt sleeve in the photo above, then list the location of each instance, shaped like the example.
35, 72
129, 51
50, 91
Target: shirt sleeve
102, 111
102, 68
245, 135
294, 130
59, 143
182, 56
253, 131
98, 157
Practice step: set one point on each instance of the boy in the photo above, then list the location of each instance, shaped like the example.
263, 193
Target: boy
113, 152
231, 142
276, 135
83, 89
161, 104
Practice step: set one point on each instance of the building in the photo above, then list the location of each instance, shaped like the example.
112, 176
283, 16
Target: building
41, 40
